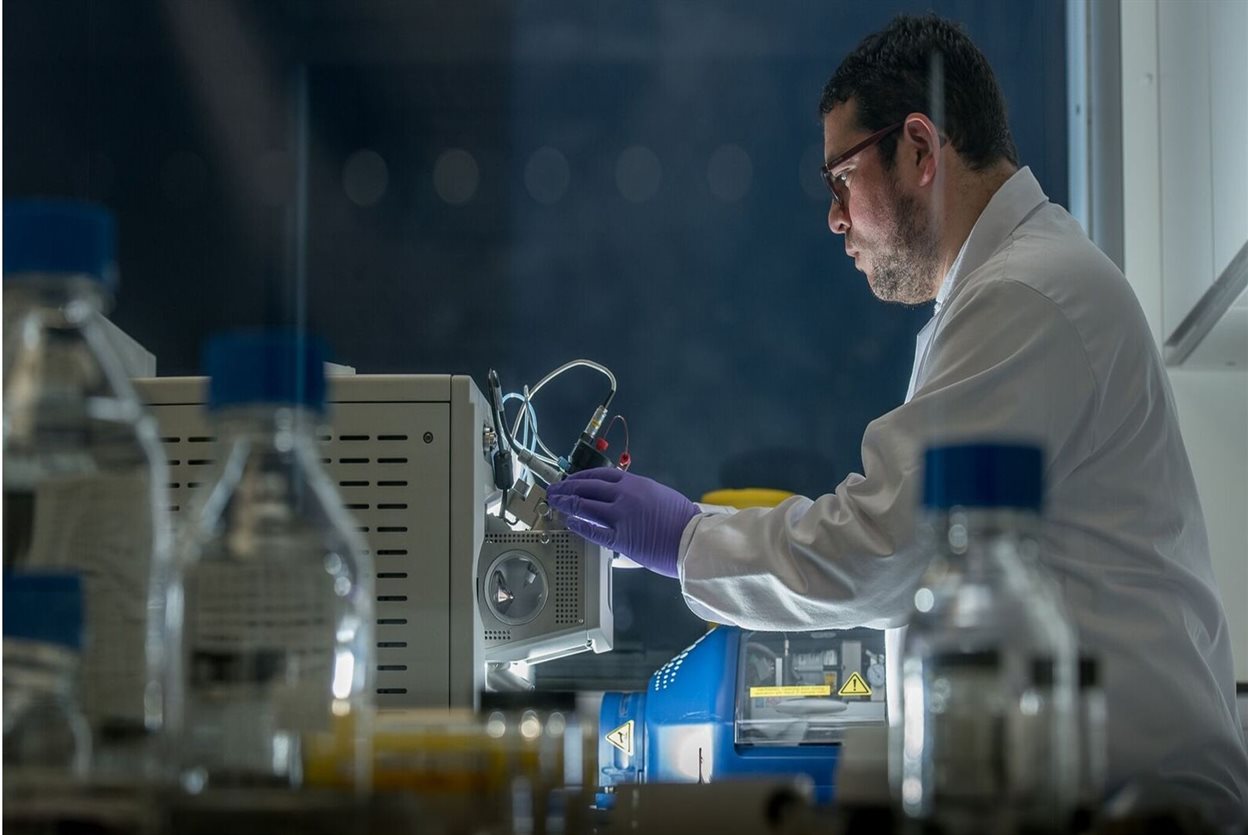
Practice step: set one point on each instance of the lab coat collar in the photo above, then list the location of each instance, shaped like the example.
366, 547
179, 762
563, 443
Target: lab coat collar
954, 269
1017, 198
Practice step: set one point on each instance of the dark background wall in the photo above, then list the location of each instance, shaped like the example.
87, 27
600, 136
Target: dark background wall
453, 187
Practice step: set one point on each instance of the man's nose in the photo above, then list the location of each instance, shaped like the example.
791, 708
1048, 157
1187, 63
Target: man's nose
838, 218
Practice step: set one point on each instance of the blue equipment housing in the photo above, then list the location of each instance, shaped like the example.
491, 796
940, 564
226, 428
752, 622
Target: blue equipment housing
739, 703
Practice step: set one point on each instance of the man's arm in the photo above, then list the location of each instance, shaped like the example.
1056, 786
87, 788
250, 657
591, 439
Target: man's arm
1004, 364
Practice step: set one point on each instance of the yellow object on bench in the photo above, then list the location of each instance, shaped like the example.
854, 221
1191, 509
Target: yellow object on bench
747, 497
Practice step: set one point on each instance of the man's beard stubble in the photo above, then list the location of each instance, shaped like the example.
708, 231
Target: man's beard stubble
905, 267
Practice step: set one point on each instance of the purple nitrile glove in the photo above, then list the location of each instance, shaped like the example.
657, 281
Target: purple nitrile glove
632, 514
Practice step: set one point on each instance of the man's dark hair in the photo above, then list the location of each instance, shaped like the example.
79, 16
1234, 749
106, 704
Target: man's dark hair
889, 76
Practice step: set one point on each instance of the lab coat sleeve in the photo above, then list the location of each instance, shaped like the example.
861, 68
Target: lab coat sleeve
1004, 364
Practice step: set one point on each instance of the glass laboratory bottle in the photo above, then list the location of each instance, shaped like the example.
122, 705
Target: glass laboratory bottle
986, 741
47, 740
84, 474
1093, 752
276, 587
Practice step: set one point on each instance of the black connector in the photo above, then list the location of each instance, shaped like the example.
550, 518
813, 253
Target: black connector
585, 456
503, 470
502, 463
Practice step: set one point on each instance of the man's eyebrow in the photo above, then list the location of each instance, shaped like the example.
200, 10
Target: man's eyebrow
843, 162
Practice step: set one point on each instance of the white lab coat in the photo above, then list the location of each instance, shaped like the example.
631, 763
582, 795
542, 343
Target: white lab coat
1036, 336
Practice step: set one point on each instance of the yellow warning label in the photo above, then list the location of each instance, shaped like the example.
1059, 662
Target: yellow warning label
791, 690
854, 686
622, 737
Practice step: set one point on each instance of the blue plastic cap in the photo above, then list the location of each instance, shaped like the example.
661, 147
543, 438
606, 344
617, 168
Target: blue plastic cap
983, 475
43, 607
266, 367
63, 237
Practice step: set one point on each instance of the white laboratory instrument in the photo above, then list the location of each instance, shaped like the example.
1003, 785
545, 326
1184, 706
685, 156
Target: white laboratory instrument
464, 602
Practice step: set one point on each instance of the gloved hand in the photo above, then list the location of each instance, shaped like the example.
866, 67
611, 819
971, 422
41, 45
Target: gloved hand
629, 513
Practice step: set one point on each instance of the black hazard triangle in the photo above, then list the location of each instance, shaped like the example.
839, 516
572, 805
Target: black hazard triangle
855, 686
622, 737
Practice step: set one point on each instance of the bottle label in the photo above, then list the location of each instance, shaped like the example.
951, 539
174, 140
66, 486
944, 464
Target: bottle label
263, 633
989, 740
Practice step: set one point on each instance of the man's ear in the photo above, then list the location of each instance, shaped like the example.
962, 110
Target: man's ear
920, 149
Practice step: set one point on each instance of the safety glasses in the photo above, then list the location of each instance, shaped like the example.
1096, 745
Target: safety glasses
830, 180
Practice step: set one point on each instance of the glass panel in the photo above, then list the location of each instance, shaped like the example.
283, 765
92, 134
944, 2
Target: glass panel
800, 688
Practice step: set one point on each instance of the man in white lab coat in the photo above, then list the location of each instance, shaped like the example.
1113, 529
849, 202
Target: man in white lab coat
1035, 334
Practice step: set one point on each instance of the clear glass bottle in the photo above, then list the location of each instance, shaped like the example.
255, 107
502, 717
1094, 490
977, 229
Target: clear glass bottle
84, 475
1093, 751
276, 587
47, 740
986, 741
